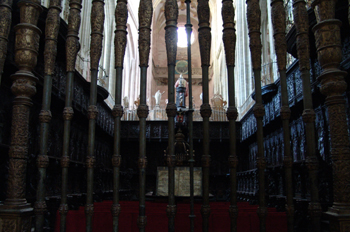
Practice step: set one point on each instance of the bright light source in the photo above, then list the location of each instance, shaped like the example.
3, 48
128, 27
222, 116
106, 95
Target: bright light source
182, 37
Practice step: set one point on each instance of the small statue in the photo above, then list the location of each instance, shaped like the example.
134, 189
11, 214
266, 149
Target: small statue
126, 102
158, 96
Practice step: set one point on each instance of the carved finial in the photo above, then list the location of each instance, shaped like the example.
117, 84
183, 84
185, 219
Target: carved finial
97, 23
279, 32
145, 19
229, 34
171, 15
51, 33
72, 42
121, 17
254, 20
204, 35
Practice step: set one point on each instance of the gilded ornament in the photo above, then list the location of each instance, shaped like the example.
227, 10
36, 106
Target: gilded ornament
279, 28
171, 109
205, 210
117, 111
253, 19
92, 112
89, 209
68, 113
229, 33
65, 162
97, 23
171, 210
206, 161
259, 110
142, 162
233, 161
45, 116
170, 160
72, 42
141, 222
309, 116
42, 161
90, 161
205, 110
204, 34
233, 211
116, 210
5, 23
171, 15
232, 113
145, 19
51, 33
40, 207
116, 160
142, 111
63, 209
261, 162
120, 40
285, 112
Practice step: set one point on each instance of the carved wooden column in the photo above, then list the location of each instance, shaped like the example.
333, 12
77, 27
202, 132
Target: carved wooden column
145, 20
5, 24
204, 36
279, 29
16, 213
302, 30
51, 33
97, 23
120, 40
253, 18
333, 85
229, 38
72, 48
171, 15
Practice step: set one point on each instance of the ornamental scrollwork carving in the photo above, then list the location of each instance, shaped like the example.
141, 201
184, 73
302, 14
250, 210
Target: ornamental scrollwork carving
229, 33
171, 211
42, 161
5, 24
92, 112
145, 19
254, 20
45, 116
171, 109
279, 28
142, 111
97, 24
117, 111
120, 40
51, 33
72, 42
116, 210
205, 110
204, 34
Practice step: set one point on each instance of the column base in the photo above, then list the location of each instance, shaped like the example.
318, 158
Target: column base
16, 218
339, 219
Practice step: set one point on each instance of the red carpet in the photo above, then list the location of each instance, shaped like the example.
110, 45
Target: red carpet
157, 220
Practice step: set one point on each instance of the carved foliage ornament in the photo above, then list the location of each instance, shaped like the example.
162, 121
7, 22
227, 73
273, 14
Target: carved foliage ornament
204, 34
121, 18
279, 28
229, 33
51, 33
301, 22
117, 111
72, 42
145, 19
171, 15
5, 23
97, 23
253, 18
